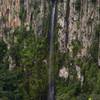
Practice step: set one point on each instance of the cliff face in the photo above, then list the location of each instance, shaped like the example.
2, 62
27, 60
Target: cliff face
39, 39
83, 19
9, 13
9, 20
76, 20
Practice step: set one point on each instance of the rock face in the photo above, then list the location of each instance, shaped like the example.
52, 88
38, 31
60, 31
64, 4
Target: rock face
77, 19
10, 12
63, 72
82, 20
9, 20
61, 22
83, 17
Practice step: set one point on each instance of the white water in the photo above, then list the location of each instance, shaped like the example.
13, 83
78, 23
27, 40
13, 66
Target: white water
51, 92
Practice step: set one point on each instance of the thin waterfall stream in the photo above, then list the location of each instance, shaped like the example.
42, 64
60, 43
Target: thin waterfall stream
51, 92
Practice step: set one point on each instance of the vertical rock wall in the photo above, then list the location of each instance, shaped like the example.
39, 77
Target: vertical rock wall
77, 19
82, 22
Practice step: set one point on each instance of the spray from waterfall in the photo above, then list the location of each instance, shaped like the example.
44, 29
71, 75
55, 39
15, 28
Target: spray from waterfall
51, 92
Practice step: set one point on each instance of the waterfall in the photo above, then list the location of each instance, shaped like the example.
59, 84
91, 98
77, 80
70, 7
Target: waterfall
51, 91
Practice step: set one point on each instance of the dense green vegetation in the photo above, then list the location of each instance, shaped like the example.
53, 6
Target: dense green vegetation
29, 79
